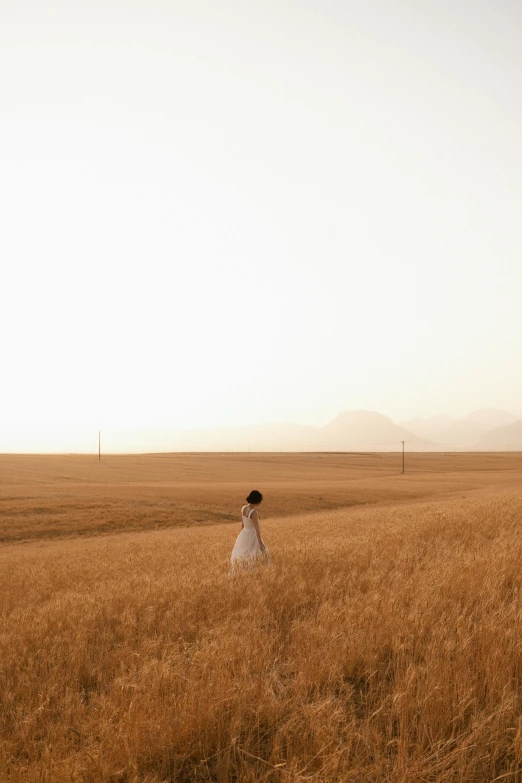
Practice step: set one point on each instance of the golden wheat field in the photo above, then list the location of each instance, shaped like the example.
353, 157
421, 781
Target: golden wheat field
383, 643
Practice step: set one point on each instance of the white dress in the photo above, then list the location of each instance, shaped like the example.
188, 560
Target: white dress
246, 548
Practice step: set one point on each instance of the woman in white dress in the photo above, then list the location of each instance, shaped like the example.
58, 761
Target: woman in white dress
249, 545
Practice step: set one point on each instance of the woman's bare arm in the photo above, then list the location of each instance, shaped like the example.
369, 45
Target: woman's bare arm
255, 520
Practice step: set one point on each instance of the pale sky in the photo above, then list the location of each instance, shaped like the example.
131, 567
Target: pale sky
226, 213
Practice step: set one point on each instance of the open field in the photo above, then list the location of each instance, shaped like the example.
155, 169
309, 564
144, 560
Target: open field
382, 644
50, 496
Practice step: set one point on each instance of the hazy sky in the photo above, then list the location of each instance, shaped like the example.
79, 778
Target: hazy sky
220, 213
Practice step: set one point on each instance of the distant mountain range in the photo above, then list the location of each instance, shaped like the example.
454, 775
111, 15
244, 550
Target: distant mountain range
508, 438
466, 432
363, 430
360, 430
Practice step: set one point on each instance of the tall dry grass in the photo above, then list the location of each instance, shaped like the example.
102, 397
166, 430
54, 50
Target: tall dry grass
382, 645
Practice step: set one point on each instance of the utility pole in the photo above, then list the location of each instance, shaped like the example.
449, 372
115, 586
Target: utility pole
99, 447
402, 456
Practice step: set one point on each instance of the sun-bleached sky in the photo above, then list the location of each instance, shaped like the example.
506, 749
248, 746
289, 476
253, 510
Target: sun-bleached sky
217, 213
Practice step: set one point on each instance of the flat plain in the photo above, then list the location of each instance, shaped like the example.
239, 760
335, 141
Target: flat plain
382, 644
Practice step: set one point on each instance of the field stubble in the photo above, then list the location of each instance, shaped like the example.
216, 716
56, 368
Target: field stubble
383, 644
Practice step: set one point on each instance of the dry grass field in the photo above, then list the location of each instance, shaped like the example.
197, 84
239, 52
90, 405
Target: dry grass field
384, 643
55, 496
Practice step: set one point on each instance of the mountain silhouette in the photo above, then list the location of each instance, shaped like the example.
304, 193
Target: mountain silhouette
508, 437
449, 432
367, 430
349, 431
359, 430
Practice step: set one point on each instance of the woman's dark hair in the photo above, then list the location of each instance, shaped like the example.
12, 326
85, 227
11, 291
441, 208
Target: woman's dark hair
255, 497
